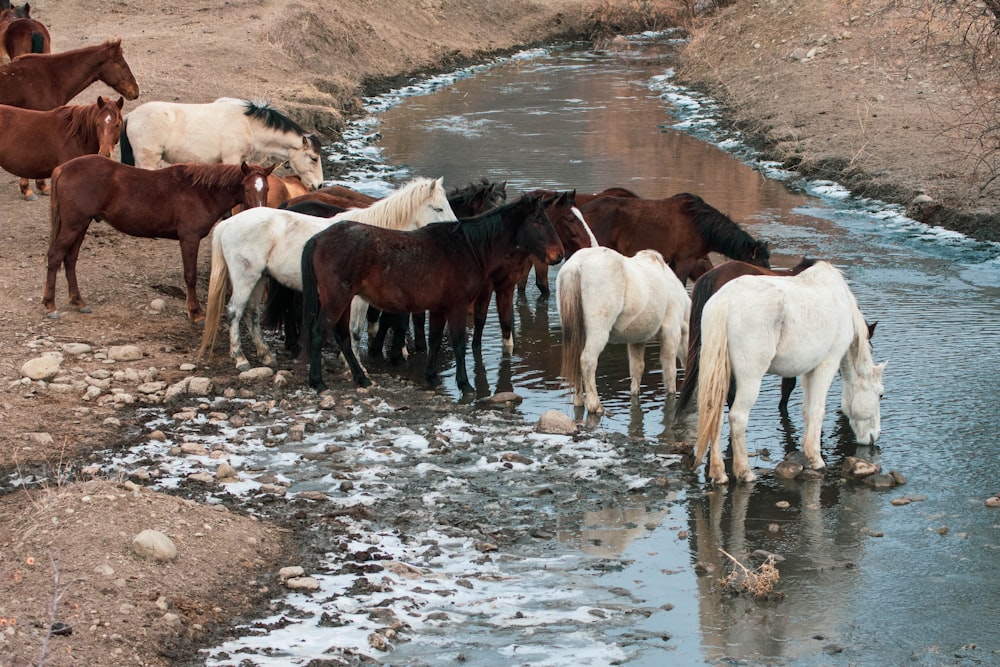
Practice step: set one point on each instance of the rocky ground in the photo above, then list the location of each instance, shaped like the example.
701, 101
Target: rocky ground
840, 90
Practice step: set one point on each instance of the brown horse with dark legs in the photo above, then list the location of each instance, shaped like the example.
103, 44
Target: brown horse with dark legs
48, 80
683, 228
179, 202
440, 268
20, 34
33, 143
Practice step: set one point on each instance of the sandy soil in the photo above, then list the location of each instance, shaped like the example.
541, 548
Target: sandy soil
840, 96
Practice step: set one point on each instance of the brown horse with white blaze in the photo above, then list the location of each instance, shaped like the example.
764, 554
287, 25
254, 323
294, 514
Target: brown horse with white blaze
33, 143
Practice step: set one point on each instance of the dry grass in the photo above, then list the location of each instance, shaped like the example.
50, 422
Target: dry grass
758, 583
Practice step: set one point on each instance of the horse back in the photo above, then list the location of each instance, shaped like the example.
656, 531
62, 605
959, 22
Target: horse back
630, 224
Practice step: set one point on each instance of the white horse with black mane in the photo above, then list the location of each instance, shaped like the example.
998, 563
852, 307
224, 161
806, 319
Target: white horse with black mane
605, 297
806, 326
227, 131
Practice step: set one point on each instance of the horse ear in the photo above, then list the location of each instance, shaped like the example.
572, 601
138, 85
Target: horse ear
101, 101
244, 167
871, 329
120, 102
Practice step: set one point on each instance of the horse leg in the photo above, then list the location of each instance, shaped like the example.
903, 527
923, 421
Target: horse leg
597, 340
481, 308
419, 331
342, 336
69, 262
243, 291
787, 386
541, 276
815, 385
670, 347
636, 365
505, 310
26, 192
436, 334
739, 414
58, 249
456, 330
372, 315
398, 324
189, 260
256, 334
360, 310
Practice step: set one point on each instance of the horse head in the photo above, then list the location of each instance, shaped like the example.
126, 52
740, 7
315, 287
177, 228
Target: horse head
115, 72
255, 186
306, 161
760, 255
536, 233
569, 224
108, 123
861, 402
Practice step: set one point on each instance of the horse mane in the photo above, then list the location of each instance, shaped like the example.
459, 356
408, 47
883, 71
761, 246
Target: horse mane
276, 120
212, 176
385, 212
481, 230
80, 118
729, 238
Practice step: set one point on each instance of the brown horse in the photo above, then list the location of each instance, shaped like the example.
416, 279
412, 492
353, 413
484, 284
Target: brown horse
360, 198
48, 80
180, 202
704, 288
324, 198
33, 143
683, 228
440, 268
20, 34
570, 231
504, 279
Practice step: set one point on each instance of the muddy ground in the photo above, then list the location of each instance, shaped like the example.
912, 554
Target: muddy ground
841, 92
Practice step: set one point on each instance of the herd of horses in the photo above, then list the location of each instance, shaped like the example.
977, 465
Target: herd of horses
320, 260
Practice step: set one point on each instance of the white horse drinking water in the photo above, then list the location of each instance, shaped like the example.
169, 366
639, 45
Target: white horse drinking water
227, 131
806, 326
605, 297
259, 242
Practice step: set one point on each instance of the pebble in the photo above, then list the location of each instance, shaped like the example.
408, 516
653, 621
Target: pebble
124, 353
302, 584
556, 423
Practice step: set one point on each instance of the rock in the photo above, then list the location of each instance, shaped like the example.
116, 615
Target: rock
105, 570
555, 423
257, 374
855, 468
291, 572
302, 584
788, 469
993, 502
200, 386
76, 349
153, 544
225, 471
202, 477
124, 353
40, 439
505, 397
151, 387
42, 368
194, 449
157, 305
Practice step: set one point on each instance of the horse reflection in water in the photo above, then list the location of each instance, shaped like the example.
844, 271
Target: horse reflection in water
818, 540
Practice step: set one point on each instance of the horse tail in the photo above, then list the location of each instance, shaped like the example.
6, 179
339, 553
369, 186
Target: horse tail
713, 383
700, 293
128, 157
310, 294
37, 42
218, 283
571, 318
55, 217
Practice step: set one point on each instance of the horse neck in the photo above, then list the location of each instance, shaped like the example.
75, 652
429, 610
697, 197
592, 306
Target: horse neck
272, 141
84, 63
397, 211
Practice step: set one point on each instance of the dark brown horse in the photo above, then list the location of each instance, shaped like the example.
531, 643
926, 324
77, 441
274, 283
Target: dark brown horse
20, 34
504, 279
49, 80
349, 193
683, 228
180, 202
704, 288
440, 268
33, 143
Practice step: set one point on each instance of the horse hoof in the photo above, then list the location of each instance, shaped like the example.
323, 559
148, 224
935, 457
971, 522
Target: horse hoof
53, 315
31, 197
240, 368
84, 309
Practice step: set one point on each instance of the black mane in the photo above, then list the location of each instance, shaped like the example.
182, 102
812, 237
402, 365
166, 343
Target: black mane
276, 120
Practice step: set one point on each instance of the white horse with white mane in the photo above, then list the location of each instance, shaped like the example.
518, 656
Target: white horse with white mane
261, 242
806, 326
605, 297
227, 131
